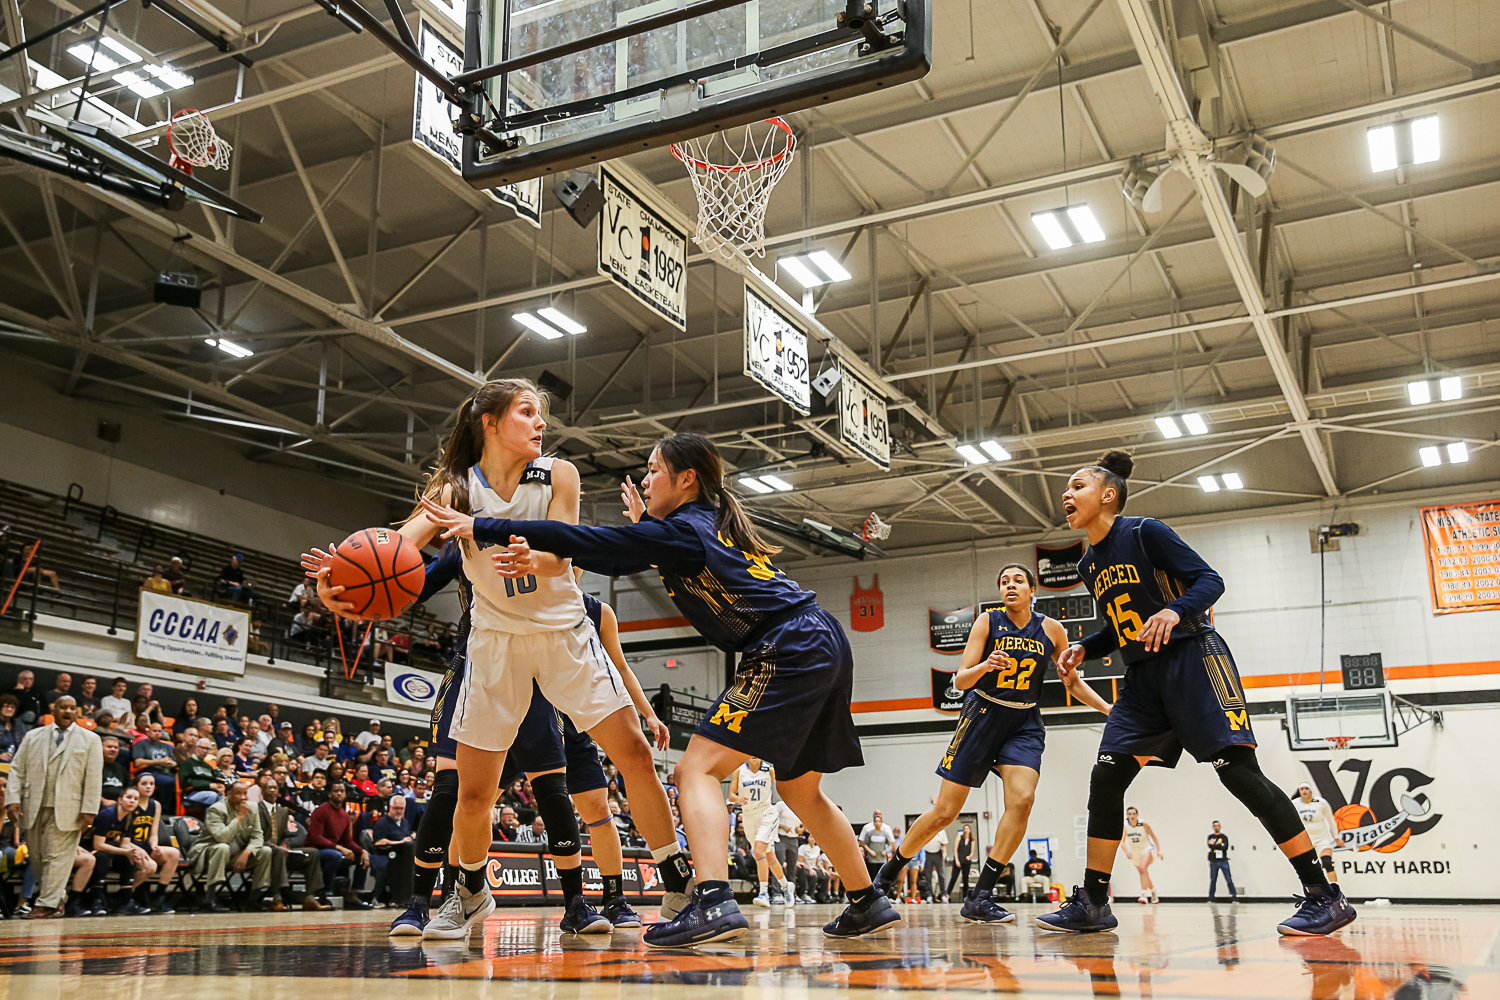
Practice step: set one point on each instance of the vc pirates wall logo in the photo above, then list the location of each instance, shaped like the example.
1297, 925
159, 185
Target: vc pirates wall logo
1394, 813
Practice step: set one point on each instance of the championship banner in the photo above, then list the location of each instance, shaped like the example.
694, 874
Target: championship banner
185, 632
1057, 569
642, 252
946, 697
432, 124
948, 631
1463, 556
776, 353
412, 688
863, 422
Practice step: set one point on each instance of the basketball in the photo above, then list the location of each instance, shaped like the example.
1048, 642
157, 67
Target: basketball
380, 571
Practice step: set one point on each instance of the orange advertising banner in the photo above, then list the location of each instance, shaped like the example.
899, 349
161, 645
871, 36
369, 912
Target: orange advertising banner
1463, 556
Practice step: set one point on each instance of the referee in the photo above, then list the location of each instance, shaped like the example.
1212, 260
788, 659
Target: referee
1218, 861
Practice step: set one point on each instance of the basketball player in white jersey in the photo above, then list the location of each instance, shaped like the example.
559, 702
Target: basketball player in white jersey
528, 629
751, 787
1319, 822
1141, 846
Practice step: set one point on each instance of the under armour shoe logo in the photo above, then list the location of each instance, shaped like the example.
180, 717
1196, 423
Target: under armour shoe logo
715, 912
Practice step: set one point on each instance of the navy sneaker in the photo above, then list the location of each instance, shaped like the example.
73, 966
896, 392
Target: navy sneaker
581, 918
131, 909
620, 914
701, 921
980, 908
1322, 911
854, 922
413, 921
1079, 915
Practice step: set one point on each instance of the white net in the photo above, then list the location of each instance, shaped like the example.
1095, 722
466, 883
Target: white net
733, 174
875, 528
192, 140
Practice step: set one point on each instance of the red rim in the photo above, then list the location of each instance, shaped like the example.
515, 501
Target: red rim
172, 146
694, 162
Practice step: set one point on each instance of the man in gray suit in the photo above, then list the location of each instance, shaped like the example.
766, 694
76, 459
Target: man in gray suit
54, 785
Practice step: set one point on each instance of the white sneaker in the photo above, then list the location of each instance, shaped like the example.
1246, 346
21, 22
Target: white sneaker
1143, 898
763, 899
791, 899
1154, 897
673, 903
460, 911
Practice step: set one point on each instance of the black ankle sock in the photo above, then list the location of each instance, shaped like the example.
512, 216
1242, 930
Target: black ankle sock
572, 883
473, 879
715, 891
891, 870
613, 887
423, 881
861, 898
989, 874
1309, 871
675, 872
1096, 884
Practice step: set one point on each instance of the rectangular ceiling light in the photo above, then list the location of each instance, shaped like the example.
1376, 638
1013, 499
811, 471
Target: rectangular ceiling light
777, 483
1382, 142
1418, 393
233, 350
1430, 456
751, 483
1168, 427
1208, 484
829, 265
1195, 423
1425, 145
1048, 224
562, 321
174, 79
101, 63
139, 84
804, 274
1233, 481
1458, 453
972, 454
536, 326
1451, 388
126, 54
996, 449
1088, 227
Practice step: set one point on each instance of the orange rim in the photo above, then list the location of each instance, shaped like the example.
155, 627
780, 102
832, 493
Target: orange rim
172, 146
704, 165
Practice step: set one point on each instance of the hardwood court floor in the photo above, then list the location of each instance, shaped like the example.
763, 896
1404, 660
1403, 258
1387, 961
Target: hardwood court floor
1178, 950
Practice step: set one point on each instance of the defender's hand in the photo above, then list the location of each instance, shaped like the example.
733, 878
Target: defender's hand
516, 559
317, 559
635, 507
455, 525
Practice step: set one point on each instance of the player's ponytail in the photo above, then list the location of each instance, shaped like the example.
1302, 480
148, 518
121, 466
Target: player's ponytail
687, 450
465, 445
1115, 467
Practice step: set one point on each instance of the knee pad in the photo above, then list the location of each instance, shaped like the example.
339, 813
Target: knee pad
1111, 778
436, 828
556, 809
1326, 861
1240, 772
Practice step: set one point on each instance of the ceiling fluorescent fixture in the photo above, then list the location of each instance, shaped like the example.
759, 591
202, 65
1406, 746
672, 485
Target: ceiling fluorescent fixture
798, 269
1430, 456
1088, 227
1233, 481
751, 483
1195, 423
126, 53
229, 348
1451, 388
562, 321
777, 483
1065, 227
971, 454
996, 450
1426, 147
1208, 484
825, 262
98, 61
536, 326
1458, 453
1418, 393
1404, 143
139, 84
1168, 427
1382, 143
174, 79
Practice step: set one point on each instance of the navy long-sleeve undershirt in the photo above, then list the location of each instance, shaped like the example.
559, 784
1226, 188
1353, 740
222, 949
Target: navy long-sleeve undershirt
1169, 553
669, 544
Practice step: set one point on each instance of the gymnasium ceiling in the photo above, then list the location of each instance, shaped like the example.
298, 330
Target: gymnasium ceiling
365, 316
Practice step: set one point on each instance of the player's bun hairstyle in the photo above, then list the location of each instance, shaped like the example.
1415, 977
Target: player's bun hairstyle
1030, 576
1115, 467
466, 443
687, 450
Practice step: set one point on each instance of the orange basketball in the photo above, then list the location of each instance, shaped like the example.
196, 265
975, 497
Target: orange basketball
380, 571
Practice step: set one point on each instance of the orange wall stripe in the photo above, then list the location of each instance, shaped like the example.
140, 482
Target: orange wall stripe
891, 705
647, 624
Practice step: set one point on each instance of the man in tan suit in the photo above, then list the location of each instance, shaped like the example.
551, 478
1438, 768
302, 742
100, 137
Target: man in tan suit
55, 781
233, 840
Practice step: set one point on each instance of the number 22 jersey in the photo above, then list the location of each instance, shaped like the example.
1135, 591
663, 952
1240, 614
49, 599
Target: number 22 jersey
1029, 649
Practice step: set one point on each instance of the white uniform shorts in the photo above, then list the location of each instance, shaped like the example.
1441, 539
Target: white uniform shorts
766, 823
1324, 843
569, 665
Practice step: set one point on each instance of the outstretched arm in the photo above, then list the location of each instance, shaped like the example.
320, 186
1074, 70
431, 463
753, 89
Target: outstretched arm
1075, 684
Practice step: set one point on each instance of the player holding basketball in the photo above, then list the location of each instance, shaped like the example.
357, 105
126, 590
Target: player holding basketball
1318, 821
789, 703
1000, 730
751, 787
1181, 690
1142, 847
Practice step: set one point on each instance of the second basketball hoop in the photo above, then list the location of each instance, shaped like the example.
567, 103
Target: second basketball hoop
194, 143
733, 174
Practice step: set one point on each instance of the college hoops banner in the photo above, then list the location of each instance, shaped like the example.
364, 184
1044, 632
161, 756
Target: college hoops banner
183, 632
1463, 556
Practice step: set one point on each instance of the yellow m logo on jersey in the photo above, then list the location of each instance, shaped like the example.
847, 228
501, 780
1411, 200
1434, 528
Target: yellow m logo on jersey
1238, 720
727, 715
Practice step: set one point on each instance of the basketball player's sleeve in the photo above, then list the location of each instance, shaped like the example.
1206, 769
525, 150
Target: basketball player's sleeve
441, 571
669, 545
1170, 553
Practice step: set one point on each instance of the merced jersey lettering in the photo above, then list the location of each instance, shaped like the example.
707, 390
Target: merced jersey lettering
1029, 650
1130, 589
531, 603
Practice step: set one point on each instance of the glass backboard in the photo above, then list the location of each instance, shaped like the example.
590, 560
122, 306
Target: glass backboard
1312, 719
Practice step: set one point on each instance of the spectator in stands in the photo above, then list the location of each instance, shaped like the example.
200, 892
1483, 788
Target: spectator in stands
105, 725
264, 734
115, 774
306, 798
175, 576
307, 626
187, 715
309, 740
222, 736
115, 703
165, 857
371, 735
393, 839
226, 766
333, 731
157, 581
12, 729
56, 776
61, 686
232, 840
88, 701
10, 836
382, 768
512, 795
227, 712
317, 762
28, 705
329, 832
1037, 875
231, 582
153, 707
283, 742
507, 824
154, 753
251, 732
339, 772
199, 775
244, 764
536, 833
301, 594
362, 780
661, 702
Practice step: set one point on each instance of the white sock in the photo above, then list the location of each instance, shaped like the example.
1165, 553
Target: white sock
660, 854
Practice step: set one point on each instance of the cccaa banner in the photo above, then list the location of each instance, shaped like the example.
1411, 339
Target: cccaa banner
183, 632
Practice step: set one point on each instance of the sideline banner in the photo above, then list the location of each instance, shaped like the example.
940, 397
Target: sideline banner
414, 688
948, 631
185, 632
946, 697
523, 875
1463, 556
1057, 568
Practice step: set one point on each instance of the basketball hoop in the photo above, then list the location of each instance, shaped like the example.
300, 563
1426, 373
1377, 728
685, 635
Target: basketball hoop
733, 177
1340, 742
875, 528
194, 143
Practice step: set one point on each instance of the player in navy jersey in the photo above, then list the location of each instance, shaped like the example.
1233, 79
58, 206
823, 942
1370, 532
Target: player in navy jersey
789, 702
999, 730
1181, 691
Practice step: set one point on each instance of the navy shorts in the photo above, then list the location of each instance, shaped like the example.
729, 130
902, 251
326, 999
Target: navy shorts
789, 703
1187, 697
585, 772
990, 735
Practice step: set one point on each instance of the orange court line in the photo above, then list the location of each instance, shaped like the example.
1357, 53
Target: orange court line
647, 624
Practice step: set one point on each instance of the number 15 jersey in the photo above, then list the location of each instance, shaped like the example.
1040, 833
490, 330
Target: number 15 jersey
531, 603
